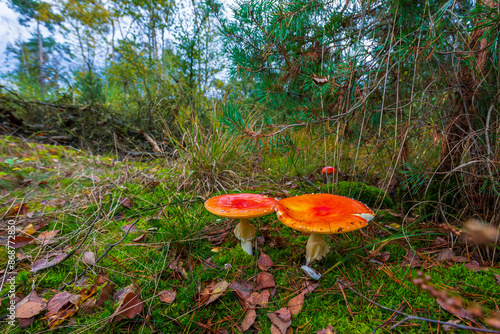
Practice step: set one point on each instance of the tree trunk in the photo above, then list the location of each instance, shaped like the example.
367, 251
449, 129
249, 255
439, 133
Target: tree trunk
468, 81
40, 55
113, 41
458, 128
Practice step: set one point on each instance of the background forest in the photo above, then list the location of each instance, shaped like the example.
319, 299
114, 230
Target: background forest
401, 93
402, 97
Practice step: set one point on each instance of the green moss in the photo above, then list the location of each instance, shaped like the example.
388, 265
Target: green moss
369, 195
176, 225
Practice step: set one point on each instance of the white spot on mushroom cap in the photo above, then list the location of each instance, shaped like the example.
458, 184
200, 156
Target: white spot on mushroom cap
365, 216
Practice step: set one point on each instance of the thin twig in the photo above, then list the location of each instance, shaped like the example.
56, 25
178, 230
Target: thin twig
110, 246
70, 254
411, 317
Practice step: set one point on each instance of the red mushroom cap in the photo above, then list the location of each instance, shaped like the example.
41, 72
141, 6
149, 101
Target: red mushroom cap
240, 205
323, 213
329, 170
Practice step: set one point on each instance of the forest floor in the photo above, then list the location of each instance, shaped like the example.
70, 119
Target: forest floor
125, 246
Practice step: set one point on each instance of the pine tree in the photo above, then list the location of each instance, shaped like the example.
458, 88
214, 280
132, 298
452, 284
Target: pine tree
41, 12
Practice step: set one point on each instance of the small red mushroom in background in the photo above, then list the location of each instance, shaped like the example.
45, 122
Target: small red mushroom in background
329, 172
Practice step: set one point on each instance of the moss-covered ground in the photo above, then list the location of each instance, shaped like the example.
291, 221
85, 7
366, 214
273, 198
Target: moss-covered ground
177, 244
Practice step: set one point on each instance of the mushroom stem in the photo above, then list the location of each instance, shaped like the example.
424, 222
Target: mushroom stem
328, 178
245, 232
316, 247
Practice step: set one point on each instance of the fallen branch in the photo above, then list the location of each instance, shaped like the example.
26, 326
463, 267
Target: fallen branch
152, 142
411, 317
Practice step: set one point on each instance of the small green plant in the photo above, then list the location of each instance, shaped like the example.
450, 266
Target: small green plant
213, 157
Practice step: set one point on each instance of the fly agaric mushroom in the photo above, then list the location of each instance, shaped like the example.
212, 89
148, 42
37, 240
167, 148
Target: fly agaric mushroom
329, 172
244, 207
322, 214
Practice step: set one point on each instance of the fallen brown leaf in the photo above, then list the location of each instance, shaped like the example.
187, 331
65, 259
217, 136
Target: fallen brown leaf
47, 237
129, 228
284, 314
40, 226
309, 287
217, 291
328, 330
278, 325
25, 322
242, 288
61, 300
168, 296
106, 290
18, 210
264, 262
45, 262
497, 276
19, 242
88, 258
61, 307
249, 319
259, 298
296, 303
140, 238
29, 307
439, 241
445, 255
129, 304
474, 265
384, 256
457, 311
126, 202
265, 280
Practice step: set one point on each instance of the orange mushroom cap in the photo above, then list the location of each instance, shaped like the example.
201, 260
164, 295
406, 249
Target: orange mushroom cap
323, 213
240, 205
329, 170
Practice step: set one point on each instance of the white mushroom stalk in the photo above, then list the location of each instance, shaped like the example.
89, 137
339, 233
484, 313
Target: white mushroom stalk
316, 248
245, 232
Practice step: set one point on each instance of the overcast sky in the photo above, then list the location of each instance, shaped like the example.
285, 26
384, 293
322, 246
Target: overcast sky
10, 31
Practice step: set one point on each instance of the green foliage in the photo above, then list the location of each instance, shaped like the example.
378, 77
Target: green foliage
314, 62
35, 10
213, 157
443, 193
26, 75
369, 195
91, 88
